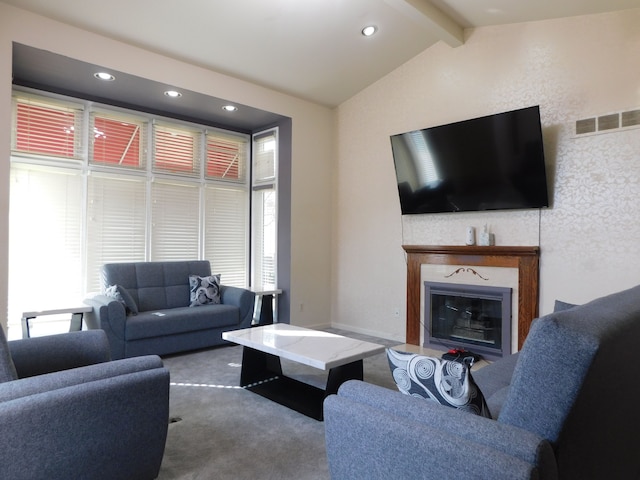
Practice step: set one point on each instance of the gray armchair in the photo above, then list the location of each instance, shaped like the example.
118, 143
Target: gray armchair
564, 407
66, 411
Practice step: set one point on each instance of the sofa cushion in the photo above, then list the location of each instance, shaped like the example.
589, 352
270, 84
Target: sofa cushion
204, 290
121, 294
180, 320
494, 381
445, 381
7, 368
496, 375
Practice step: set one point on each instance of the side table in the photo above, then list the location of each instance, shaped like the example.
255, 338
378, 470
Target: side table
77, 314
263, 313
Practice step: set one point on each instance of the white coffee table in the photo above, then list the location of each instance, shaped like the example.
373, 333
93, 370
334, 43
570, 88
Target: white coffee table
262, 371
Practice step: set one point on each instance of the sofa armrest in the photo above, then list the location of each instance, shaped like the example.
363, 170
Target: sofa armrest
38, 355
109, 315
77, 376
241, 298
423, 439
109, 428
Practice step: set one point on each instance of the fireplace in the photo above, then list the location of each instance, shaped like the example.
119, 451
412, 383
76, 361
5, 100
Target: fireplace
472, 317
469, 259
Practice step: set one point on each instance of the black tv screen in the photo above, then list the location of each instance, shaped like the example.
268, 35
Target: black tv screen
488, 163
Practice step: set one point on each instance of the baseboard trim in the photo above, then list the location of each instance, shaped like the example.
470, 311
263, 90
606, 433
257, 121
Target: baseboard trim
363, 331
314, 326
367, 331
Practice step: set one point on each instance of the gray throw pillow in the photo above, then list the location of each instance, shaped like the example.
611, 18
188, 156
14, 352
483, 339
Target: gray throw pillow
560, 305
204, 290
7, 368
447, 382
121, 294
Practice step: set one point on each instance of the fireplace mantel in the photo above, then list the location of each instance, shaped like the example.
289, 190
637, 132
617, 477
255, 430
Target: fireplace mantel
525, 259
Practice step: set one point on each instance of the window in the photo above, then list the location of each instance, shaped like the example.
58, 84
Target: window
117, 141
45, 239
227, 232
130, 187
176, 150
264, 203
45, 129
116, 223
225, 156
175, 223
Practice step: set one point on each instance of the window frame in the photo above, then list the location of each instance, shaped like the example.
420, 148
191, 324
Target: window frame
260, 273
198, 178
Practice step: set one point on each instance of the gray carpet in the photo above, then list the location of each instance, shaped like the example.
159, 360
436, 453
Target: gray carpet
221, 431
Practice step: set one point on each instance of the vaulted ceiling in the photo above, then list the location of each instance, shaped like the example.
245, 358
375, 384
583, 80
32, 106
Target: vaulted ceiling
312, 49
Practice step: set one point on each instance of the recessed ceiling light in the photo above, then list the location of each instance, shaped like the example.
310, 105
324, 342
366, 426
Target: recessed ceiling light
230, 108
369, 30
107, 77
172, 94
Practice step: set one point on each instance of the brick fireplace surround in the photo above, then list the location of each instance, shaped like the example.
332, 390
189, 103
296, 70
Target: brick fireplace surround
525, 259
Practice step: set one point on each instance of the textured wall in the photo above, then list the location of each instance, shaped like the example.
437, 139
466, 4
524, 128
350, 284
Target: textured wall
573, 68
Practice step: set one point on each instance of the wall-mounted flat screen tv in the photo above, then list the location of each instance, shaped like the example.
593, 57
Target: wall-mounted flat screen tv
489, 163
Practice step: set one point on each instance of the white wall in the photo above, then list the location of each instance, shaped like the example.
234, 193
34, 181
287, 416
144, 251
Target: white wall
312, 144
573, 68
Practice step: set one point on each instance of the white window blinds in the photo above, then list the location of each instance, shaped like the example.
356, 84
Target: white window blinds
175, 220
117, 140
264, 236
46, 128
265, 157
264, 200
45, 239
226, 157
226, 233
176, 150
116, 223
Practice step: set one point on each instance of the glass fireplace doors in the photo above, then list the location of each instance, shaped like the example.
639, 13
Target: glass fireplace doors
474, 317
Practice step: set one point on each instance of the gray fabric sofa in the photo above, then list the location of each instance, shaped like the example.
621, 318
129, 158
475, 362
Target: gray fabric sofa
163, 322
564, 407
68, 412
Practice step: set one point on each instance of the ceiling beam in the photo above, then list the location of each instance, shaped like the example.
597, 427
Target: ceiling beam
424, 13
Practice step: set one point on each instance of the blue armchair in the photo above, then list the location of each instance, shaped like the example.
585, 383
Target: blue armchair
68, 412
564, 407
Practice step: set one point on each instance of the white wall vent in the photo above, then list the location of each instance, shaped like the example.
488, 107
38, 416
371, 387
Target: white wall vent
608, 123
